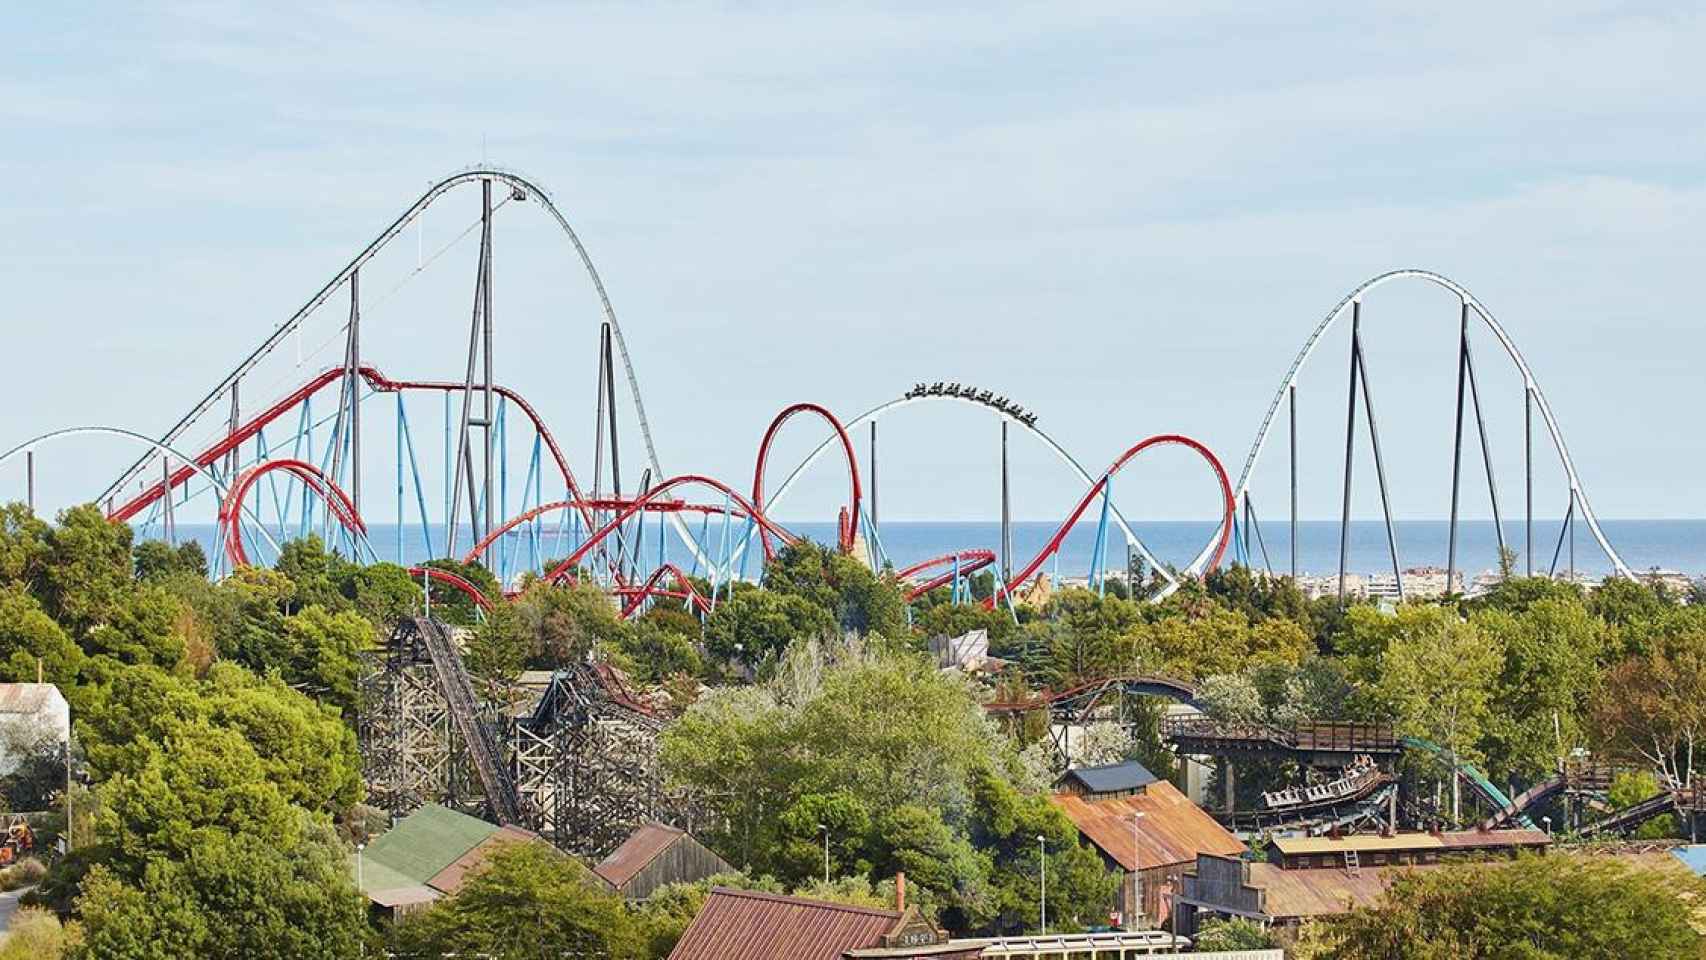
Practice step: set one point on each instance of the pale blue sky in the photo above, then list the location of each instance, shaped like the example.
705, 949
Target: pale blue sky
1125, 216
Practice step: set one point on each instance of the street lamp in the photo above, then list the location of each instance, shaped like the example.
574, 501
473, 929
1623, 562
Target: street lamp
1548, 823
358, 866
825, 830
1042, 889
1136, 872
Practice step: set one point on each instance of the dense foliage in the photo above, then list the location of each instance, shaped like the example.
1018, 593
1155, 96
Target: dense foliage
216, 764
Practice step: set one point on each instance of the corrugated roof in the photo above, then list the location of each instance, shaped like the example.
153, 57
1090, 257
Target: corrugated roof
744, 925
426, 841
1113, 777
1173, 830
1444, 842
451, 878
1315, 893
641, 848
403, 896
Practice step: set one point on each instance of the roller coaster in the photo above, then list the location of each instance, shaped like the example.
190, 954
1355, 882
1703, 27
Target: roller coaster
498, 477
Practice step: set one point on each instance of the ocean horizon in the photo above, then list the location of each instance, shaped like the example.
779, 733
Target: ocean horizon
1644, 545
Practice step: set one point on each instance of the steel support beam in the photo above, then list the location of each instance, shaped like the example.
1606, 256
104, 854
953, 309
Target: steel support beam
1457, 448
873, 474
1006, 511
1350, 450
1379, 462
479, 341
1292, 393
1486, 447
30, 480
1528, 477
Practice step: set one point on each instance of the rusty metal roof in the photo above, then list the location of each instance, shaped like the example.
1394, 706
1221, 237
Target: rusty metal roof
745, 925
1173, 830
1315, 893
452, 877
641, 847
1460, 840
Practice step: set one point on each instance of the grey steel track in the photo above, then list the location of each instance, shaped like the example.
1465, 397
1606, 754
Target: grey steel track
470, 176
1530, 384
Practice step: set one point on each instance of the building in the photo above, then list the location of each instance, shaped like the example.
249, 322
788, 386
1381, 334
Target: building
746, 925
1310, 877
968, 652
1144, 827
34, 720
427, 855
655, 855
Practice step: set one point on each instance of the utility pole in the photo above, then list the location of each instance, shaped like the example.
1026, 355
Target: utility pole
1042, 889
825, 830
1133, 922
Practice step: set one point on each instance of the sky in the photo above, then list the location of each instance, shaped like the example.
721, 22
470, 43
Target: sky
1127, 217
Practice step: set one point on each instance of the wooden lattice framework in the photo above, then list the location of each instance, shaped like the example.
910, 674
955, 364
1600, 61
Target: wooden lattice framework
587, 760
584, 761
411, 751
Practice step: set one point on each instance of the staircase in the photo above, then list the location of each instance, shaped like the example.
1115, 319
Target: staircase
483, 747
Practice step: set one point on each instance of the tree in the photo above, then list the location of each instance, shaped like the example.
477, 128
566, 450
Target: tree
530, 901
752, 625
1632, 787
325, 650
1556, 907
844, 588
1439, 687
87, 571
1542, 689
1005, 826
228, 896
28, 636
1234, 934
1653, 706
158, 560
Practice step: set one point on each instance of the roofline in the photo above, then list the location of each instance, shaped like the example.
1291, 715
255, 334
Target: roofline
806, 901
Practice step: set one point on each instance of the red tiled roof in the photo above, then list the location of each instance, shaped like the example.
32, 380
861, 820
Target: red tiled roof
641, 847
1173, 829
744, 925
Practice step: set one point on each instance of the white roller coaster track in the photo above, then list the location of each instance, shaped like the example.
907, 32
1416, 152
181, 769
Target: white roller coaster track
1486, 316
1072, 463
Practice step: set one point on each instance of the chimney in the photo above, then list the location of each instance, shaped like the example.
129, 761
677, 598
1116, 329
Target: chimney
900, 892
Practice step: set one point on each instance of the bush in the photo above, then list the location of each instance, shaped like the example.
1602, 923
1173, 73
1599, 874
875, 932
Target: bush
25, 873
36, 934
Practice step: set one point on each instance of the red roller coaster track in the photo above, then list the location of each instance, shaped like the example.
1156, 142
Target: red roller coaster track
1165, 439
231, 508
684, 591
970, 562
380, 383
849, 528
460, 583
739, 505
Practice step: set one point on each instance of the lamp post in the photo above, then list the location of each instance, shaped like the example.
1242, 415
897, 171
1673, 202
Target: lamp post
825, 830
1042, 889
1136, 872
1548, 823
358, 866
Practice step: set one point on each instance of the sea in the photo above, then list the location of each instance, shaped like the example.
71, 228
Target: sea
1644, 545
